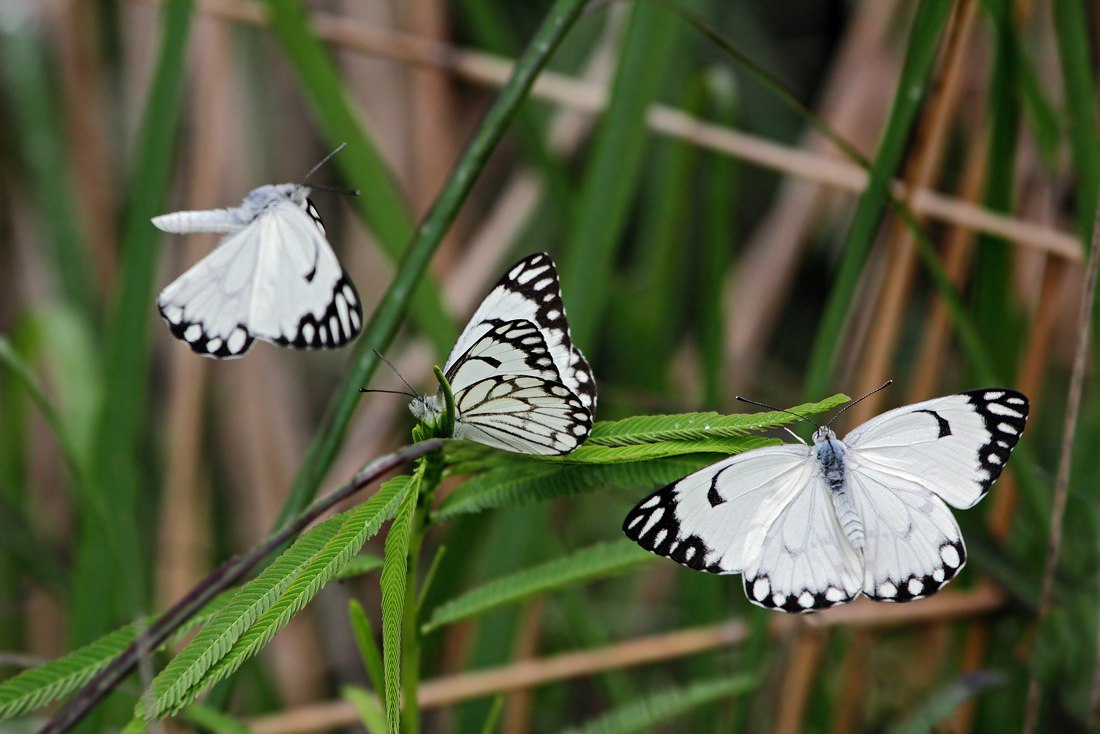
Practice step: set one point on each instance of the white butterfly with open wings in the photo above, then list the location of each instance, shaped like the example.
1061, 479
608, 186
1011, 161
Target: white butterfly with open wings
810, 527
519, 384
273, 277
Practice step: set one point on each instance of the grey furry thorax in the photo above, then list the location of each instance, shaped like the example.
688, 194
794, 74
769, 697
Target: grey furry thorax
262, 197
425, 408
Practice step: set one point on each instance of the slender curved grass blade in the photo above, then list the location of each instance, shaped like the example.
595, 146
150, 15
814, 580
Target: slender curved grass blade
383, 324
647, 713
368, 648
370, 710
927, 29
944, 702
115, 473
588, 564
612, 179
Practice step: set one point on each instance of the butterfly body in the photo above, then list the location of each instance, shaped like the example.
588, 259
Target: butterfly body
809, 527
273, 277
519, 384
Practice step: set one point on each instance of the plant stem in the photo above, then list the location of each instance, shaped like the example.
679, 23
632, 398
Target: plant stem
410, 623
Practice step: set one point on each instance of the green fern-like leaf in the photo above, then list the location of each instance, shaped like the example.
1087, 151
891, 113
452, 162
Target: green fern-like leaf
516, 483
645, 429
647, 713
40, 686
596, 454
595, 562
43, 685
216, 639
394, 578
267, 604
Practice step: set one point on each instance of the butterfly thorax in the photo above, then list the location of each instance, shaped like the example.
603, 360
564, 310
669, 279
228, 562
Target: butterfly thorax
830, 453
426, 408
262, 197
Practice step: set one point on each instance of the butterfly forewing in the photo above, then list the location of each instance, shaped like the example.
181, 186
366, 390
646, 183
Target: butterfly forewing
715, 519
530, 291
954, 446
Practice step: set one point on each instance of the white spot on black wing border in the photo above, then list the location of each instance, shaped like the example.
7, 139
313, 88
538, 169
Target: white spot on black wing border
315, 215
653, 525
544, 291
320, 334
919, 586
208, 345
802, 601
1004, 413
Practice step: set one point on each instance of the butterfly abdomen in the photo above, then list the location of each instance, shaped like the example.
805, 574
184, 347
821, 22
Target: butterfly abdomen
830, 457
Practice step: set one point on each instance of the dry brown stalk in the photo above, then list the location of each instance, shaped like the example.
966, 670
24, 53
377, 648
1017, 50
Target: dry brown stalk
1069, 432
454, 689
591, 98
921, 171
798, 683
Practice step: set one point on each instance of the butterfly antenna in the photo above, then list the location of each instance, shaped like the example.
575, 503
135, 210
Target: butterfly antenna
322, 162
855, 402
390, 392
780, 410
335, 189
390, 365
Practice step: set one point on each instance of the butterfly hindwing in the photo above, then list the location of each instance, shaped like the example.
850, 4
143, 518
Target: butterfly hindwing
508, 394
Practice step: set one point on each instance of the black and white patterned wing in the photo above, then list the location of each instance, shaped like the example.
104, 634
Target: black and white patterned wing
904, 465
954, 447
276, 279
530, 291
508, 394
766, 514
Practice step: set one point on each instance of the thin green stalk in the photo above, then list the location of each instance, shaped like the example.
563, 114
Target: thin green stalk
383, 325
100, 575
928, 27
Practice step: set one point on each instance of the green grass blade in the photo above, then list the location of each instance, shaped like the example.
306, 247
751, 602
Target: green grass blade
368, 648
613, 176
644, 715
382, 206
928, 26
34, 111
1079, 89
946, 701
383, 325
115, 475
370, 710
394, 578
699, 426
595, 562
510, 486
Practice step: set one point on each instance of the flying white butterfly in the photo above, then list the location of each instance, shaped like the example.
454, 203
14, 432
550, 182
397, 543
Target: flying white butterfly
810, 527
519, 384
274, 277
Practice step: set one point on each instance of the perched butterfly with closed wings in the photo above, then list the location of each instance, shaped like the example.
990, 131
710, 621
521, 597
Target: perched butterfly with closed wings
519, 384
273, 277
810, 527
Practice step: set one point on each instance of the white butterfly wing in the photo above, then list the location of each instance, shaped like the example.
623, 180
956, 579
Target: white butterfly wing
276, 279
954, 446
765, 513
208, 306
530, 291
508, 394
302, 297
912, 543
